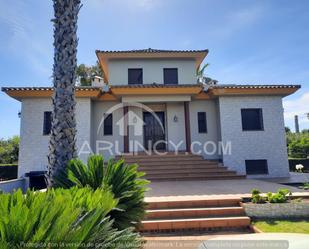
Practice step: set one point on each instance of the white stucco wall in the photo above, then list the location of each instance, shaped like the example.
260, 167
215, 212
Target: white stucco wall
268, 144
175, 130
205, 143
152, 70
33, 144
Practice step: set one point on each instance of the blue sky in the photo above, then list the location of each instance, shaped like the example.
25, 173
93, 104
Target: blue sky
250, 42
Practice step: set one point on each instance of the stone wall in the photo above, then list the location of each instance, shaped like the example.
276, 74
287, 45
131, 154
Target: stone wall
277, 210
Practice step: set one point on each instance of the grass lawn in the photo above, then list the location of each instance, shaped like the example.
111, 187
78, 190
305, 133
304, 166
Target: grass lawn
283, 226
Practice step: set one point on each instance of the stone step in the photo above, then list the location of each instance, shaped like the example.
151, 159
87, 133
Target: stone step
195, 223
176, 167
155, 156
154, 171
194, 213
173, 162
186, 174
195, 178
192, 203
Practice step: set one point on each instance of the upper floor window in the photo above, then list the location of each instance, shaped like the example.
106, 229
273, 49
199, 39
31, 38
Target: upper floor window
135, 76
252, 119
108, 124
47, 123
170, 76
202, 122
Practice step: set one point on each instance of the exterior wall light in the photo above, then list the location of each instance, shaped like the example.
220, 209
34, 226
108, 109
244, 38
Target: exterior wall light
175, 119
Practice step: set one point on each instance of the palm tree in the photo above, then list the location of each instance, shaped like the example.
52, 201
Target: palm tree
200, 71
201, 78
62, 139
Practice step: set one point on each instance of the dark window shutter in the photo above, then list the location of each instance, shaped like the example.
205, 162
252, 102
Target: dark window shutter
202, 122
135, 76
108, 125
256, 167
47, 123
170, 76
252, 119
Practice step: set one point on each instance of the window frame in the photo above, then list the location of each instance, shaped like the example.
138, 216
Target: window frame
177, 78
199, 128
256, 160
46, 132
105, 126
260, 110
132, 69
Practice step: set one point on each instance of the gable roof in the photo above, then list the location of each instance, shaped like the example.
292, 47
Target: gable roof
105, 55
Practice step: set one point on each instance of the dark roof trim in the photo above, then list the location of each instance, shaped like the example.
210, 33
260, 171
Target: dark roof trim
151, 50
253, 86
5, 89
154, 85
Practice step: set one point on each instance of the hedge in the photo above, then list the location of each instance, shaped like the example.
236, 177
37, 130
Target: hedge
294, 161
8, 172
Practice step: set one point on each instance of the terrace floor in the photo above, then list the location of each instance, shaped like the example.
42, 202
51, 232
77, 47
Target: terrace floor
215, 188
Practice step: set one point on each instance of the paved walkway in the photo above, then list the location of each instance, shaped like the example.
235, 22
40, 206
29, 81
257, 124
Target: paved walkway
216, 188
294, 178
253, 241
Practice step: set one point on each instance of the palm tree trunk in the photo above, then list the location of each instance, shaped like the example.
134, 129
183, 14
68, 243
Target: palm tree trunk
63, 131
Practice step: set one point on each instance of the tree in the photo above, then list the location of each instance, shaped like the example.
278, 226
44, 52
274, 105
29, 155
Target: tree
9, 150
287, 129
62, 146
298, 144
86, 73
201, 78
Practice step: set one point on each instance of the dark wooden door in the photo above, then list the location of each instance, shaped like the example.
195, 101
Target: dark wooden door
154, 132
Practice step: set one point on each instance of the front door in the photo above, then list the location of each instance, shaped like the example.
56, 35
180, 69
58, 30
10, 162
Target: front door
154, 132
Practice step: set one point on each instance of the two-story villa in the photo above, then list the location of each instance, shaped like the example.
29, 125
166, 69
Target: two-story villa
150, 101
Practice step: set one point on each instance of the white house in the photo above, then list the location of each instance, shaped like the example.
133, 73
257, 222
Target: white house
151, 101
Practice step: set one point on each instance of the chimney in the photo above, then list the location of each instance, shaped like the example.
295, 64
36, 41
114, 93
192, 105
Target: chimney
97, 81
296, 124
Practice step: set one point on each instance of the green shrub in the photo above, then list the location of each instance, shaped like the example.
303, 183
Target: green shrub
280, 197
74, 217
256, 196
123, 180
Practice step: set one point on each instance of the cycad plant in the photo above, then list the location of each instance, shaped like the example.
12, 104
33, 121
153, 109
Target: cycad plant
58, 218
123, 180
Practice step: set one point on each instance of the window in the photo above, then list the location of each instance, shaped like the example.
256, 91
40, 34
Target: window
202, 122
170, 76
108, 124
256, 167
135, 76
47, 123
252, 119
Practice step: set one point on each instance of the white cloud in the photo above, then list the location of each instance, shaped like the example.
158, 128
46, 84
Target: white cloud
132, 5
22, 38
236, 20
298, 107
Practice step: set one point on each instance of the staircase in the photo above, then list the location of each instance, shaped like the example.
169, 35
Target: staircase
195, 214
183, 166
